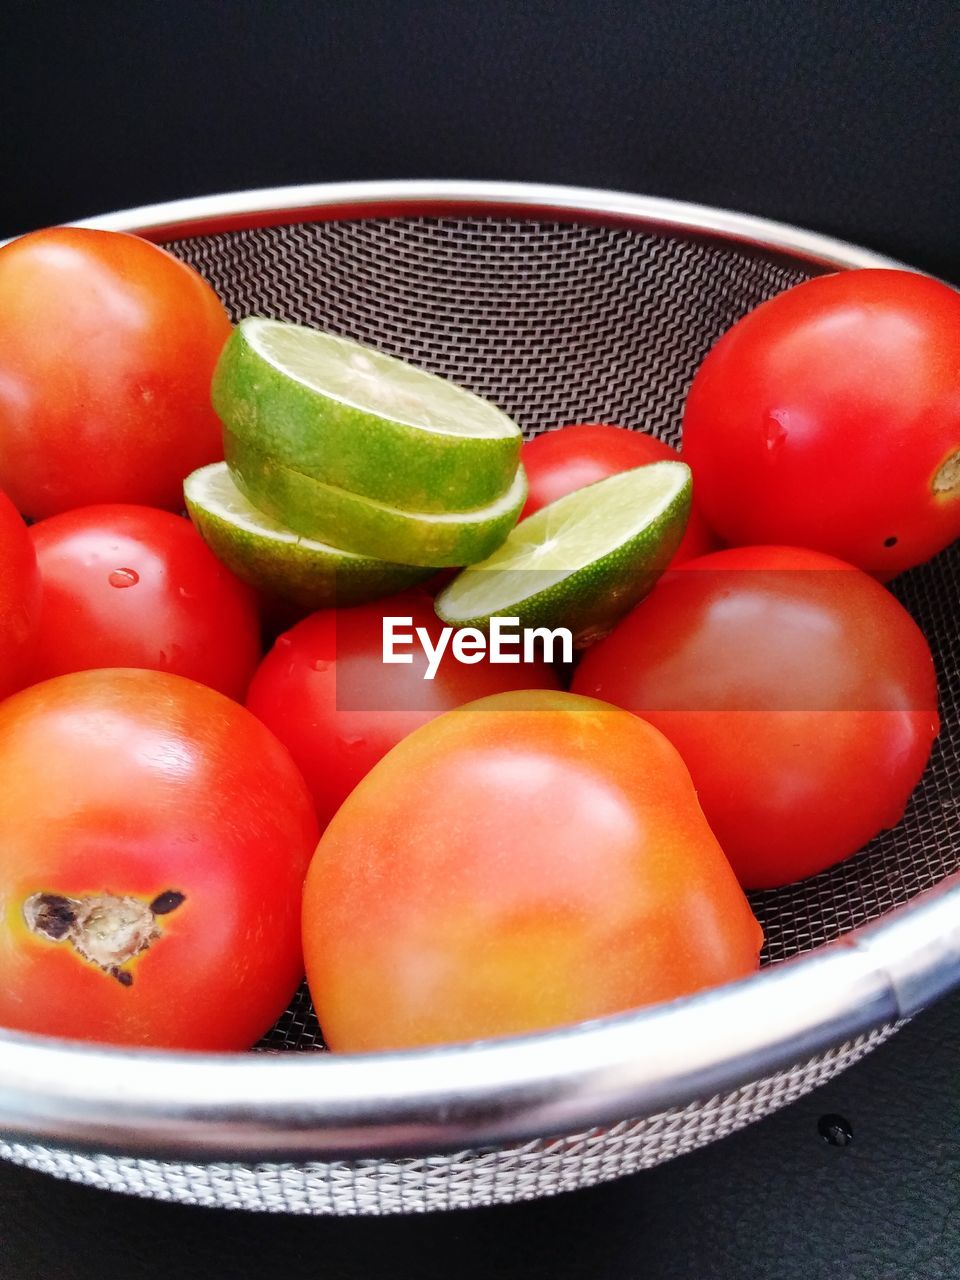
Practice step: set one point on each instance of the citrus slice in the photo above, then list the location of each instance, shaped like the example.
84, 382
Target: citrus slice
353, 417
279, 561
367, 527
583, 561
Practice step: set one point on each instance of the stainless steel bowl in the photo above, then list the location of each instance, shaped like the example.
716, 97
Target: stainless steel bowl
563, 305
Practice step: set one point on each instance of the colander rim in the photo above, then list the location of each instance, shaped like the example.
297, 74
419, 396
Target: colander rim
322, 1106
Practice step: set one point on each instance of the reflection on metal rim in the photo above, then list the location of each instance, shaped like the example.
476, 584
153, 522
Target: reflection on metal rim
206, 215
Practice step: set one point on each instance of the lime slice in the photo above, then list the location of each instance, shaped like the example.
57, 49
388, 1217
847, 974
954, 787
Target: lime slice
367, 527
353, 417
278, 561
583, 561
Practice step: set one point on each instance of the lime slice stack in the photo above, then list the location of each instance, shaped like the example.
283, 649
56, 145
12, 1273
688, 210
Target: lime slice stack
355, 450
357, 419
321, 510
273, 558
583, 561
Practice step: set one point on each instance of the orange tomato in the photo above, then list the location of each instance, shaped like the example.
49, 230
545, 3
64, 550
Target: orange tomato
526, 861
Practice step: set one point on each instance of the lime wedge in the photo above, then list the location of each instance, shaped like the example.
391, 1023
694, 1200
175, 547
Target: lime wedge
278, 561
583, 561
355, 418
367, 527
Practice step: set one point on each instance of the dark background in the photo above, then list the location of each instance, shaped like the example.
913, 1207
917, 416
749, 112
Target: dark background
842, 118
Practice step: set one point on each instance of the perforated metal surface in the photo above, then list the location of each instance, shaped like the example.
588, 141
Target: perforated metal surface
557, 323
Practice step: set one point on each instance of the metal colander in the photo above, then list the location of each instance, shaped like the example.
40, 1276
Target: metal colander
561, 305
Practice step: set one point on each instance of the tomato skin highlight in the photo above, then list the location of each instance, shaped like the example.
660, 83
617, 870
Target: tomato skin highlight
107, 349
325, 692
130, 586
801, 695
827, 418
19, 599
558, 462
143, 784
527, 861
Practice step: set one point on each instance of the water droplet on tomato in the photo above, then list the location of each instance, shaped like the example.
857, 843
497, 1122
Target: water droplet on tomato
355, 744
124, 578
774, 432
320, 664
170, 656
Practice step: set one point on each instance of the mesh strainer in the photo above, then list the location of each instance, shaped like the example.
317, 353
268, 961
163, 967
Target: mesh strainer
561, 305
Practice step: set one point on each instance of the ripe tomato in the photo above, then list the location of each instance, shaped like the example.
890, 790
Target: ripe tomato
530, 860
558, 462
107, 348
829, 417
325, 692
800, 694
127, 586
153, 842
19, 599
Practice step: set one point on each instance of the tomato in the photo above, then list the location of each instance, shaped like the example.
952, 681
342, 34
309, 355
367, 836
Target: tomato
800, 694
153, 842
107, 348
829, 418
128, 586
326, 693
558, 462
527, 861
19, 599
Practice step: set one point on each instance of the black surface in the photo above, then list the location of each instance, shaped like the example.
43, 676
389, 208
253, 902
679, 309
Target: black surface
839, 117
774, 1202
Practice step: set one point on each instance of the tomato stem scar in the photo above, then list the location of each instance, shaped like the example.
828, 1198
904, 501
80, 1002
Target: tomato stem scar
106, 929
947, 479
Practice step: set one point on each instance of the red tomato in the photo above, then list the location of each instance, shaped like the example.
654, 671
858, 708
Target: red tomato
829, 417
152, 854
325, 692
531, 860
558, 462
107, 348
127, 586
19, 599
800, 694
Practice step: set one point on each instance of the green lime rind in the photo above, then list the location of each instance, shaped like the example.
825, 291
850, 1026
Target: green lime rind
583, 561
358, 419
278, 561
369, 528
